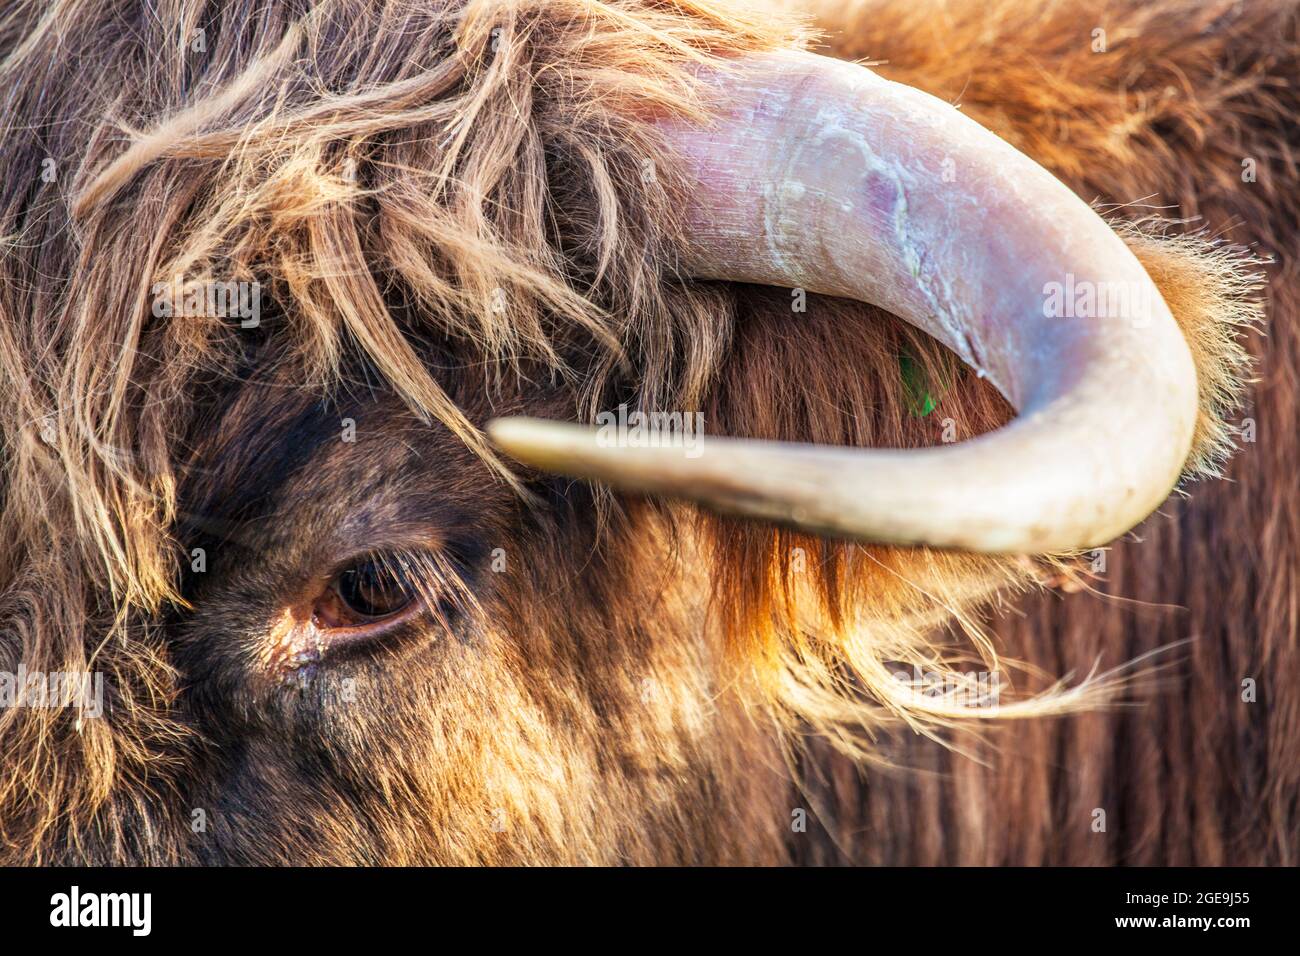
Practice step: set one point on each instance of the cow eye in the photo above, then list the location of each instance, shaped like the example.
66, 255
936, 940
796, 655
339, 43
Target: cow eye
367, 591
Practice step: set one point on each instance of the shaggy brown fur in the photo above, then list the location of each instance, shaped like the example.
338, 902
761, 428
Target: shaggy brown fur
1185, 92
458, 210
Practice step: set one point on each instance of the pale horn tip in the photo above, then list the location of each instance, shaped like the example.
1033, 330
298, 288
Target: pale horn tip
544, 444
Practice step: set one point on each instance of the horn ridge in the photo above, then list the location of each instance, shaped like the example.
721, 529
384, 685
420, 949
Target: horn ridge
820, 175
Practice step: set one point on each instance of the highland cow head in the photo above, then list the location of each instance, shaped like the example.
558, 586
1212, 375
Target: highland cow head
337, 624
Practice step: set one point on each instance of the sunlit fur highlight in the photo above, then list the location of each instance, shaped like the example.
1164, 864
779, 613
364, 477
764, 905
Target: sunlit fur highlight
390, 174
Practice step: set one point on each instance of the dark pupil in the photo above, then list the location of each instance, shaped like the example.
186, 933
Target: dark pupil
373, 590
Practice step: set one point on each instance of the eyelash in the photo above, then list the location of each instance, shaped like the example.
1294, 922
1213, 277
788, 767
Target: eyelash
374, 589
430, 578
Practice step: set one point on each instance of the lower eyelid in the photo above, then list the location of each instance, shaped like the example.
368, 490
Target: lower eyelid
298, 640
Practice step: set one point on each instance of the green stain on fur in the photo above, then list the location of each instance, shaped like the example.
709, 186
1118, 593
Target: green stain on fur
920, 402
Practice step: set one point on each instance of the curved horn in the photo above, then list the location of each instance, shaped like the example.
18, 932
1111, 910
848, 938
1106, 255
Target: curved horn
823, 176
